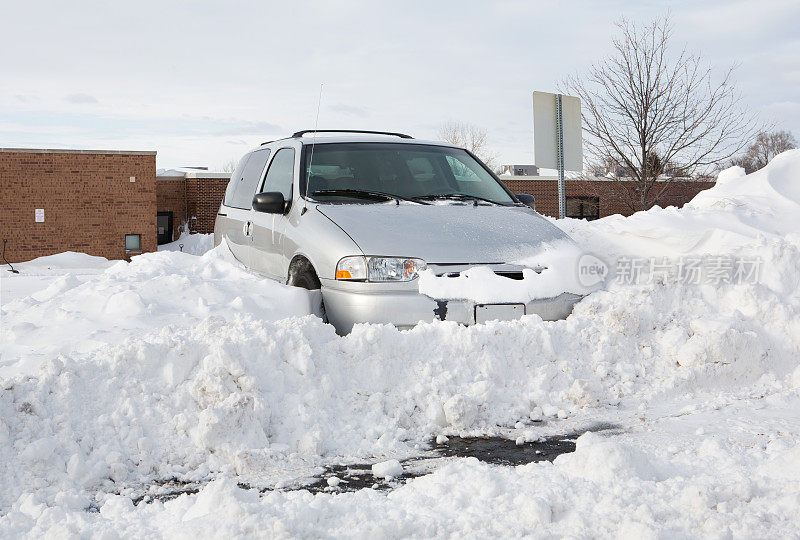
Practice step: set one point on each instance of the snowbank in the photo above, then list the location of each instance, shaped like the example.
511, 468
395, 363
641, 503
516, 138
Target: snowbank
190, 367
194, 244
77, 312
38, 274
69, 260
236, 394
771, 190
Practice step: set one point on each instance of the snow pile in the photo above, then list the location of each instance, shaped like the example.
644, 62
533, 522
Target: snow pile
771, 190
235, 394
35, 275
190, 367
69, 261
194, 244
78, 312
757, 214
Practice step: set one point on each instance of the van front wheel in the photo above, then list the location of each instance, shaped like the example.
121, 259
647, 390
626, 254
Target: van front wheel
302, 274
307, 280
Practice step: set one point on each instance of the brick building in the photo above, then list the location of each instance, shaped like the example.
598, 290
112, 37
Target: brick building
592, 198
102, 202
188, 198
99, 202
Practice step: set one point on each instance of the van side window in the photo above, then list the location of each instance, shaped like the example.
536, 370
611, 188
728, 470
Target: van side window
236, 179
280, 176
251, 176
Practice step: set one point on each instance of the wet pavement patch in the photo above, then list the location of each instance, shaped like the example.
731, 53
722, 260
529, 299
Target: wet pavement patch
353, 478
357, 476
500, 451
495, 450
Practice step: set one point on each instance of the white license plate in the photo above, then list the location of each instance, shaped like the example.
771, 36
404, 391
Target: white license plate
498, 312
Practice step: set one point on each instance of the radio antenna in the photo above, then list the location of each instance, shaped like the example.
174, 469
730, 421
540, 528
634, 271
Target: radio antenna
313, 143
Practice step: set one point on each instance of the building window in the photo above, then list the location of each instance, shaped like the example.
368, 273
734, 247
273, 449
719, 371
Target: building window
587, 208
133, 242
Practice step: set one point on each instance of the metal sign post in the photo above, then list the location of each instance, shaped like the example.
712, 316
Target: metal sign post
562, 198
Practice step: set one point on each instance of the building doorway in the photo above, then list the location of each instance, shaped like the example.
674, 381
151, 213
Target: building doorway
164, 226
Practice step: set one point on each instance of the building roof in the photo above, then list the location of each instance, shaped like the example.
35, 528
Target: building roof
74, 151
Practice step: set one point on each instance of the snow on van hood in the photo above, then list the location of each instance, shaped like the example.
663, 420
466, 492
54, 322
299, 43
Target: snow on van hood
559, 267
457, 233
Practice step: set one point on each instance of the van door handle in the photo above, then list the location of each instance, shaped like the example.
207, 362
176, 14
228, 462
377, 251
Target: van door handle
246, 228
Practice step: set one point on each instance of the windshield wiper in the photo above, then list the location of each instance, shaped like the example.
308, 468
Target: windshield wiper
454, 196
363, 194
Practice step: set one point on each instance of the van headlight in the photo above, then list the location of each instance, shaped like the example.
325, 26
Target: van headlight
378, 269
352, 269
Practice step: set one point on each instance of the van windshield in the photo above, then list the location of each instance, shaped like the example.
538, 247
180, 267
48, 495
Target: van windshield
363, 172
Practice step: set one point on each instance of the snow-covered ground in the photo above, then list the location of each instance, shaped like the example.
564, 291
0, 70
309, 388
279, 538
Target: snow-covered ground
119, 376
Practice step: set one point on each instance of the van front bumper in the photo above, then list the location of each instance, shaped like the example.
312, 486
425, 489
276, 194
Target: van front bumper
404, 308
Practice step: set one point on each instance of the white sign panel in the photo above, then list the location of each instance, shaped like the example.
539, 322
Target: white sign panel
544, 131
39, 214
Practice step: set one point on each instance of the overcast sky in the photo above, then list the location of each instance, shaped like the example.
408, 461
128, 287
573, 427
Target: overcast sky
202, 82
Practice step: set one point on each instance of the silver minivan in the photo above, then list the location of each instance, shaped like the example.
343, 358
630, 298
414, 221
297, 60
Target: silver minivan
358, 215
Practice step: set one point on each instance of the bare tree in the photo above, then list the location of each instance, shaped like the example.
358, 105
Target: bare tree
648, 110
766, 146
229, 166
470, 137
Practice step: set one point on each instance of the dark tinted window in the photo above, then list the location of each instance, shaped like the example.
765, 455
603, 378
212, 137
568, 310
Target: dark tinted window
249, 179
236, 178
587, 208
281, 173
406, 170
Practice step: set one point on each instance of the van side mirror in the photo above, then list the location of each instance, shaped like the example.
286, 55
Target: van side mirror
271, 202
526, 199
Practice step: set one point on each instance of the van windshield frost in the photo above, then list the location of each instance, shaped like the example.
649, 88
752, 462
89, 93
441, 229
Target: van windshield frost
344, 172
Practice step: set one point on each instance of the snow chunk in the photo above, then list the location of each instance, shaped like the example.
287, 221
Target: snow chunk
333, 481
601, 460
730, 173
460, 411
387, 469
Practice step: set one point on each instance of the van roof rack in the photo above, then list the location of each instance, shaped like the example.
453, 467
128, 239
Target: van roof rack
301, 133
